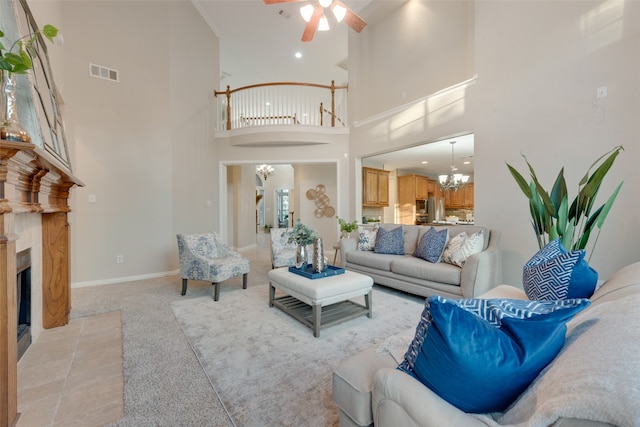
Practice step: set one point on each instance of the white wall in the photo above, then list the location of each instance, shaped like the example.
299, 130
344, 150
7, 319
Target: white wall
142, 145
538, 66
311, 200
419, 48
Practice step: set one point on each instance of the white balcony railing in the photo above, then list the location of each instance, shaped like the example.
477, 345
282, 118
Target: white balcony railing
282, 103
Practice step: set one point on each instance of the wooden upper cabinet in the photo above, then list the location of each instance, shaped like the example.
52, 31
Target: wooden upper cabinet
375, 187
422, 187
463, 198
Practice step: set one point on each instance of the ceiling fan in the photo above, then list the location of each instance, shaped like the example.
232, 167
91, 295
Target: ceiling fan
314, 15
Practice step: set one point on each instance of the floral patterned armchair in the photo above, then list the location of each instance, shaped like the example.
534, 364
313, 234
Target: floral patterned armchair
283, 254
205, 257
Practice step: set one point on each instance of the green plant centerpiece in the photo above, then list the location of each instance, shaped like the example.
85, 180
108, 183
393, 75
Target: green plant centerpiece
553, 217
17, 60
347, 227
301, 235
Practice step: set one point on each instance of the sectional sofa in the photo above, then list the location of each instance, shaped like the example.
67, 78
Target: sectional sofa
480, 272
593, 381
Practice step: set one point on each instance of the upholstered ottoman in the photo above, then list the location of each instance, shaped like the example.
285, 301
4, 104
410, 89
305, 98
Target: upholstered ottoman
319, 303
353, 379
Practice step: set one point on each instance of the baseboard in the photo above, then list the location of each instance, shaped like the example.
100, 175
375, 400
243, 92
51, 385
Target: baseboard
123, 279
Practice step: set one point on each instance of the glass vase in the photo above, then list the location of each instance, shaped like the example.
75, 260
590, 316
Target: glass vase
301, 256
319, 262
10, 128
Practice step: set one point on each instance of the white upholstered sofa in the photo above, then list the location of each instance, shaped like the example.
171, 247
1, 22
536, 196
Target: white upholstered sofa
593, 382
480, 272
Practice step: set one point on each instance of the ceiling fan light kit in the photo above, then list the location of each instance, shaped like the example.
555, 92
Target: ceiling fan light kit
316, 19
306, 11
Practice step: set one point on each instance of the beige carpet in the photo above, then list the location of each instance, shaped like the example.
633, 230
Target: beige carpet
267, 367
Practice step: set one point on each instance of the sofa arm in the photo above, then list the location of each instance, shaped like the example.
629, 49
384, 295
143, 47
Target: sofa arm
401, 400
482, 271
347, 244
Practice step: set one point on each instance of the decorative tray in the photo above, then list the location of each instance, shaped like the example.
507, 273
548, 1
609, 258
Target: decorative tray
307, 272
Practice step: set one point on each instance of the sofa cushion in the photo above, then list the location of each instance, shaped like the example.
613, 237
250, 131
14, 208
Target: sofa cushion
480, 354
390, 242
553, 273
462, 247
410, 234
417, 268
369, 259
367, 237
432, 245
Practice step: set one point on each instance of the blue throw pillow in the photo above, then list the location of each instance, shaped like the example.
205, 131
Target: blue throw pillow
390, 242
553, 273
432, 244
480, 354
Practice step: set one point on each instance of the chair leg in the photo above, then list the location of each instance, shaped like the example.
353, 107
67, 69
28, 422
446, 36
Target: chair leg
184, 286
216, 292
244, 280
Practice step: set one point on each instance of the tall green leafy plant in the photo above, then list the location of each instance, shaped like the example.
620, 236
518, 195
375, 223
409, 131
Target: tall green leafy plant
552, 215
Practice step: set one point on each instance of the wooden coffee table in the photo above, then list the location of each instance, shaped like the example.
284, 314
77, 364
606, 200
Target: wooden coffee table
319, 303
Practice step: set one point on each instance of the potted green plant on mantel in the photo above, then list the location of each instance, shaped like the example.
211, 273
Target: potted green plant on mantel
553, 217
17, 60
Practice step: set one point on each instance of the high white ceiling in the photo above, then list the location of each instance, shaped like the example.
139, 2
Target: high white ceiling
258, 43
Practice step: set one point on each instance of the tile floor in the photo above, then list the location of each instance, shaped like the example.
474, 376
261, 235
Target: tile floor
73, 376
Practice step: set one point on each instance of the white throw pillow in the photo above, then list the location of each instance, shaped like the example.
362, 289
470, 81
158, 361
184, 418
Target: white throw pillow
462, 247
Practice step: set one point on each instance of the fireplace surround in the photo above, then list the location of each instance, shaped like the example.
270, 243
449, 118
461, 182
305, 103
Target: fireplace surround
23, 296
34, 194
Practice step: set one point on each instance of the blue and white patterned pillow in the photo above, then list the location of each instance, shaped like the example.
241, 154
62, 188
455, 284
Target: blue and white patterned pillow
432, 244
390, 242
480, 354
367, 238
553, 273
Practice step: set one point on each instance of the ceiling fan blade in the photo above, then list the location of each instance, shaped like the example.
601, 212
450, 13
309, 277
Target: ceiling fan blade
354, 21
312, 25
279, 1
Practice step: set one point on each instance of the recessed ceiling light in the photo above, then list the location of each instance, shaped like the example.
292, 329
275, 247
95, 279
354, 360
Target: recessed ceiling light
467, 162
298, 55
424, 163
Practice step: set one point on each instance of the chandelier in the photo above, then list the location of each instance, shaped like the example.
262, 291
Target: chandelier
265, 171
453, 181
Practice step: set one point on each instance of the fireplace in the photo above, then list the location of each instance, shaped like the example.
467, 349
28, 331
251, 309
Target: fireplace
23, 294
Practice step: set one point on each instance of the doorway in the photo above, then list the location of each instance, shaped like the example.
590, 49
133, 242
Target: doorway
282, 207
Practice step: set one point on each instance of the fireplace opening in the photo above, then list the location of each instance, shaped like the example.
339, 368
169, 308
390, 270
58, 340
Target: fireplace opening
23, 279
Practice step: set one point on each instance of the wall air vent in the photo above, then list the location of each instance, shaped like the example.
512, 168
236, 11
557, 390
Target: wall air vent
104, 73
344, 64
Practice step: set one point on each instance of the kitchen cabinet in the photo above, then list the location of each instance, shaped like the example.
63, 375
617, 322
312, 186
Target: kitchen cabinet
375, 187
410, 189
462, 198
422, 187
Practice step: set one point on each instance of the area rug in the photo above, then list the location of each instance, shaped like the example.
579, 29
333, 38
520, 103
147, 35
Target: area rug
267, 367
